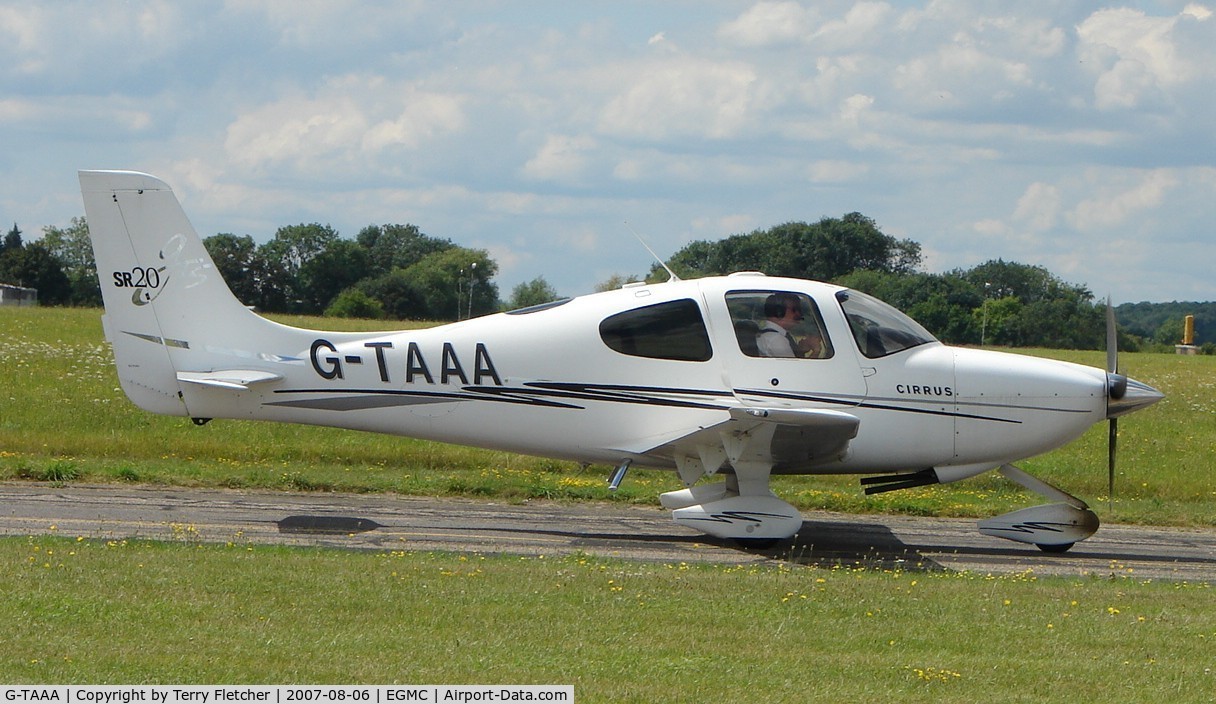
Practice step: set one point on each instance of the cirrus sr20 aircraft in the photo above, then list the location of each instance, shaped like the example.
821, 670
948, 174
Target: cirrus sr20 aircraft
743, 376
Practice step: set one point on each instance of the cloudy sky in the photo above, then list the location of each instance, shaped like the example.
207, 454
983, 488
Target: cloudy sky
1068, 134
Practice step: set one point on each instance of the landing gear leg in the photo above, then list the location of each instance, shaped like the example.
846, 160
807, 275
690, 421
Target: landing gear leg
742, 508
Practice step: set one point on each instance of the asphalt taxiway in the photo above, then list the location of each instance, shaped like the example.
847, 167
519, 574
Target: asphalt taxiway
385, 522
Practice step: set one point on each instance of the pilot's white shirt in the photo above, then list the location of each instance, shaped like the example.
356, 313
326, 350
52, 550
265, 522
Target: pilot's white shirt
773, 341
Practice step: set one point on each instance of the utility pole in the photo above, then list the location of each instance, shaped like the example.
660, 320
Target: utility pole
984, 305
472, 280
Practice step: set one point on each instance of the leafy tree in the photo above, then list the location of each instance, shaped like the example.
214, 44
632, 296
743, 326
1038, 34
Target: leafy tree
12, 240
397, 246
1064, 322
297, 244
72, 248
285, 255
1053, 313
824, 251
614, 282
1147, 319
1170, 332
397, 295
943, 303
999, 321
532, 293
1028, 283
34, 266
354, 303
237, 260
338, 267
454, 284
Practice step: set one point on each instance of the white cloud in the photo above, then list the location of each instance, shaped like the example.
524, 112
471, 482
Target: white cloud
833, 171
508, 259
992, 228
14, 110
723, 225
854, 107
960, 73
1039, 207
25, 24
297, 130
686, 97
583, 239
1197, 11
857, 29
561, 158
1132, 54
351, 121
769, 23
423, 116
1115, 203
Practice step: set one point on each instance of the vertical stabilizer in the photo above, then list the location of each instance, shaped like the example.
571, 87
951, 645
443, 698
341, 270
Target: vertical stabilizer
162, 292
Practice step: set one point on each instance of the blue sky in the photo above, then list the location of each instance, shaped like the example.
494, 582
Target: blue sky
1065, 134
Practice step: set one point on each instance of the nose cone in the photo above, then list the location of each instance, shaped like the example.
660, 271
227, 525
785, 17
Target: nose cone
1127, 395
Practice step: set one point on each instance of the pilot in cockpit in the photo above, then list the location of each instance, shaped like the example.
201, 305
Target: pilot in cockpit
783, 312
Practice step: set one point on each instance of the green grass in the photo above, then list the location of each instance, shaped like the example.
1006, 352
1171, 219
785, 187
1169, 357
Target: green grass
86, 611
63, 418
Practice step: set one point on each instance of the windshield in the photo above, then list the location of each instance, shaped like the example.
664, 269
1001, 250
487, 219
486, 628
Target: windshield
878, 328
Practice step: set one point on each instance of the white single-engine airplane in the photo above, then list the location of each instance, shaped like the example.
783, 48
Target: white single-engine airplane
678, 375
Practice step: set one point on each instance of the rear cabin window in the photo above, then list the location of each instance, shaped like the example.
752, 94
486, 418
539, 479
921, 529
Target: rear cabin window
673, 330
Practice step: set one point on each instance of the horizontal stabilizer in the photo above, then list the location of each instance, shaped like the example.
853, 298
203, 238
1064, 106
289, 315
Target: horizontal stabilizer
237, 379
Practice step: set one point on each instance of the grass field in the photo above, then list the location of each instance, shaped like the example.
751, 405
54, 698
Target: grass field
84, 611
63, 418
79, 610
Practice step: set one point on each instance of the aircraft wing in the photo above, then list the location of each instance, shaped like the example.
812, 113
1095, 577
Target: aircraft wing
790, 440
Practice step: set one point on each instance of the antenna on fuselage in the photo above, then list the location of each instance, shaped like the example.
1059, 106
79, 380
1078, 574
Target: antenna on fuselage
656, 257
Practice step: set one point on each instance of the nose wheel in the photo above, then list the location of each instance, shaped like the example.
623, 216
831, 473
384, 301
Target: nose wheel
1055, 549
1053, 528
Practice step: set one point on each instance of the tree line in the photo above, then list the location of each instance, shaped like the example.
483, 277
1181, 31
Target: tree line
386, 271
1163, 323
398, 272
995, 303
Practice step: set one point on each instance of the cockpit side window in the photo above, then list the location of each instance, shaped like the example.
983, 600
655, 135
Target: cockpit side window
778, 324
672, 330
879, 328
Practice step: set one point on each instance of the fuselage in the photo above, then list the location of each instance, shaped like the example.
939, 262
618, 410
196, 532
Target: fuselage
618, 375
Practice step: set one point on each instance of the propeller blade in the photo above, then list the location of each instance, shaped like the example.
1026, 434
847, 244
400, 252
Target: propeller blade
1115, 386
1111, 450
